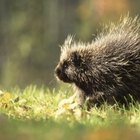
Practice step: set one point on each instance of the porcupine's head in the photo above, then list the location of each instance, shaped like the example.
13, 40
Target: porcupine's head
74, 65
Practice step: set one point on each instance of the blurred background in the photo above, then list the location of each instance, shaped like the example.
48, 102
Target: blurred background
32, 30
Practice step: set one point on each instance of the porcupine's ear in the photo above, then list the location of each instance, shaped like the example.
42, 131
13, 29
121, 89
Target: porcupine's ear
67, 43
76, 59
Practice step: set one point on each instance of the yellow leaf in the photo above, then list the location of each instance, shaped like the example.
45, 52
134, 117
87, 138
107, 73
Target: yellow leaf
6, 97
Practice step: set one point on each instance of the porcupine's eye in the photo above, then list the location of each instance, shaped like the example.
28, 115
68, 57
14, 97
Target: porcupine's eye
65, 64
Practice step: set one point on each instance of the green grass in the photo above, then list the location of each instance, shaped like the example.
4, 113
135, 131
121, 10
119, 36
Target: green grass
34, 114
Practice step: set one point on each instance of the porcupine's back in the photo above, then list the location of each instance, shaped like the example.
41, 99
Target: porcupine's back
117, 61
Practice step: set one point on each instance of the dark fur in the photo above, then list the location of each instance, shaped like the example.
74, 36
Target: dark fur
108, 68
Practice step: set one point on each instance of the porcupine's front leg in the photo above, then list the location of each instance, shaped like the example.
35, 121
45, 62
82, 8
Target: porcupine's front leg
80, 97
77, 98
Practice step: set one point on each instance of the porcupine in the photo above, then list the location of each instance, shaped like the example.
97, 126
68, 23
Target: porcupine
108, 68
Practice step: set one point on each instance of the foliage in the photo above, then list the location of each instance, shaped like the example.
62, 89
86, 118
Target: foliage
31, 32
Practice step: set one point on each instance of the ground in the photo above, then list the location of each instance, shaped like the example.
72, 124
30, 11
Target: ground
42, 113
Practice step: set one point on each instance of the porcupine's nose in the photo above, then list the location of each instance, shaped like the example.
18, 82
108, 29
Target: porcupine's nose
58, 71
